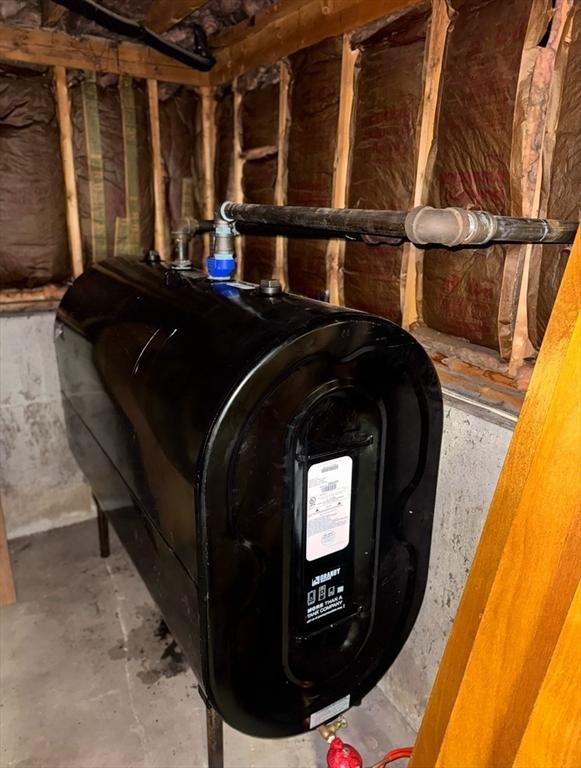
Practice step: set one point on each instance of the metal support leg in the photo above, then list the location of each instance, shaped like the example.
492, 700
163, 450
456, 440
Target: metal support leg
215, 734
103, 524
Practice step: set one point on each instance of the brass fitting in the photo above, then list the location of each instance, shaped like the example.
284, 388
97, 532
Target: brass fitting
329, 731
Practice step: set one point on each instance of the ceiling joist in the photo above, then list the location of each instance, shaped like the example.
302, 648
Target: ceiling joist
51, 13
274, 33
52, 48
165, 14
289, 26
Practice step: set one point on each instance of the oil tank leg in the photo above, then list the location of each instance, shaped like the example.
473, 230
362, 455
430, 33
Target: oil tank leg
103, 524
215, 735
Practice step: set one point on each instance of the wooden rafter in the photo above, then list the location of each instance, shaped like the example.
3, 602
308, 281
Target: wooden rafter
51, 13
165, 14
290, 25
53, 48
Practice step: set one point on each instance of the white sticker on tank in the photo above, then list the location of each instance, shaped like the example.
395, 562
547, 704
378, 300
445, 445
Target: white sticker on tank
330, 712
328, 506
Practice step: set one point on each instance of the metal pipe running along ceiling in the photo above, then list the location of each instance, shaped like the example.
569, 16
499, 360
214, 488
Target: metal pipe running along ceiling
423, 225
199, 58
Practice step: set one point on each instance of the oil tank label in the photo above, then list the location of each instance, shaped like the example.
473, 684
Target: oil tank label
330, 712
328, 506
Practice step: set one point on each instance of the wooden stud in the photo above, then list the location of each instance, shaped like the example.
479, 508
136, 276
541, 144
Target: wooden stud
525, 572
535, 124
7, 591
433, 63
66, 140
97, 54
157, 168
336, 248
165, 14
237, 171
280, 189
208, 158
51, 13
289, 26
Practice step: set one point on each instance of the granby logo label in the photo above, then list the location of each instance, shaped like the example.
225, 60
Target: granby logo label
323, 577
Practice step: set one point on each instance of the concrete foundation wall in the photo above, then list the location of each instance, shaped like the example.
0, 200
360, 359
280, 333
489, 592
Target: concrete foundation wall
473, 450
41, 487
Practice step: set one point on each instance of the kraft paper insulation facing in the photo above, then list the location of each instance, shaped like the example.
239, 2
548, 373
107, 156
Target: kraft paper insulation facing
113, 167
259, 117
33, 231
180, 126
462, 288
384, 150
561, 187
224, 160
314, 109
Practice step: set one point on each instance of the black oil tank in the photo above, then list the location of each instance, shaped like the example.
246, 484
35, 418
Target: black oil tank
270, 464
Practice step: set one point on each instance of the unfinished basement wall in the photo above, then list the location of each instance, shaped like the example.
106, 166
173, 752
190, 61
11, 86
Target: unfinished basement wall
314, 109
387, 106
40, 484
259, 100
33, 230
561, 191
462, 289
112, 162
406, 141
180, 126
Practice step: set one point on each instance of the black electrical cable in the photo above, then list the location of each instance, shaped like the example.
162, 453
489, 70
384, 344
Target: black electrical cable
200, 58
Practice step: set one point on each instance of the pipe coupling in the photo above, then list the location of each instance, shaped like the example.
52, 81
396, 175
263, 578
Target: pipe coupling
180, 260
449, 226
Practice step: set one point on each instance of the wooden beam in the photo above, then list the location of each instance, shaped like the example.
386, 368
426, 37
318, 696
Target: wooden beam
280, 188
7, 592
525, 573
68, 160
156, 163
208, 157
434, 60
290, 25
51, 13
336, 248
53, 48
10, 297
165, 14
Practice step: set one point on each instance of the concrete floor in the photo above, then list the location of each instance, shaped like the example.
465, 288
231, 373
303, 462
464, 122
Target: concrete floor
88, 681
